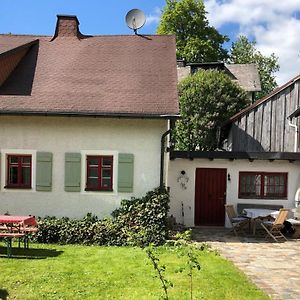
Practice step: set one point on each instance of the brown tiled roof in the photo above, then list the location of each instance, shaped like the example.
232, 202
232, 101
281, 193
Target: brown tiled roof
100, 75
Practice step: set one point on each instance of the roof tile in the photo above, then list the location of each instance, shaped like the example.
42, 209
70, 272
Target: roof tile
96, 75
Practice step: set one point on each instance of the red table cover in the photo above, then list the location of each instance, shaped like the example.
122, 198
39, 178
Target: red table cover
23, 220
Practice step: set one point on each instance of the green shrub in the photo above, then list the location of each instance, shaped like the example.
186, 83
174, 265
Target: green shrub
139, 221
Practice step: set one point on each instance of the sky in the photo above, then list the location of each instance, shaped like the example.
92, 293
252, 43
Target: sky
275, 25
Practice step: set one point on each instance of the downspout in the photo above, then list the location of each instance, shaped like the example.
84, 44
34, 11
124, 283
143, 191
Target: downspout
296, 135
162, 158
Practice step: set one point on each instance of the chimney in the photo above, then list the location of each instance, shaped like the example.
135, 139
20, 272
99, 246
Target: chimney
67, 26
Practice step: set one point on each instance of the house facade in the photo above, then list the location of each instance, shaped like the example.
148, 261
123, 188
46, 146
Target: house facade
259, 163
82, 118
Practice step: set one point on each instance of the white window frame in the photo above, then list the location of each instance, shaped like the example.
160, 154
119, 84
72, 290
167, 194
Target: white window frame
4, 166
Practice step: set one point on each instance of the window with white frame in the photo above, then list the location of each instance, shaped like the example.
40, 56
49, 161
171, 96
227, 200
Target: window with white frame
19, 171
99, 173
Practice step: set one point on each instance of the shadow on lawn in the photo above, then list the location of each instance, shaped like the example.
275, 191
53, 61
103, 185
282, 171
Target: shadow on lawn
3, 294
31, 253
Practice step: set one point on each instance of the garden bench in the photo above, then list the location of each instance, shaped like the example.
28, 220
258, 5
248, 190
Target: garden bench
8, 236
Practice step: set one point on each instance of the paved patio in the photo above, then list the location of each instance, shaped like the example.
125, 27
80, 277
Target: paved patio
273, 267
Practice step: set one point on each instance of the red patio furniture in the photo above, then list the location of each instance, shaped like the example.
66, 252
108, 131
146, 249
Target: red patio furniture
16, 227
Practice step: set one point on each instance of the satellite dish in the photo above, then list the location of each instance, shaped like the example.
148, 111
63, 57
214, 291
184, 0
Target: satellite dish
135, 19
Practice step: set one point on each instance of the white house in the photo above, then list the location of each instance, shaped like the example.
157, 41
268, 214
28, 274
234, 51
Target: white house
260, 164
81, 119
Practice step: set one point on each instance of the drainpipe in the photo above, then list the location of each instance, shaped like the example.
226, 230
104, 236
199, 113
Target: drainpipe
162, 158
296, 135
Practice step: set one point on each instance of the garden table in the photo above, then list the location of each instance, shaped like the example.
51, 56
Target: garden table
256, 214
19, 220
15, 228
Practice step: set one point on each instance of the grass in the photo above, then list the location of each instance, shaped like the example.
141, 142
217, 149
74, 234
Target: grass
82, 272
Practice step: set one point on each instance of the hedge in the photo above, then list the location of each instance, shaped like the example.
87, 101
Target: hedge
138, 221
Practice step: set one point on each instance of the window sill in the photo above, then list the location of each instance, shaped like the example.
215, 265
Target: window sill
95, 190
18, 187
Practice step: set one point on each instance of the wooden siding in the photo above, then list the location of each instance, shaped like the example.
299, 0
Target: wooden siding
266, 126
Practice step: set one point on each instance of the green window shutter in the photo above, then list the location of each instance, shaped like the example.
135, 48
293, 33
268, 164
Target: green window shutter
125, 173
72, 172
44, 171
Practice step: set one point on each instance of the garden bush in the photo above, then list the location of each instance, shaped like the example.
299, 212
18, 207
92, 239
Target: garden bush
138, 221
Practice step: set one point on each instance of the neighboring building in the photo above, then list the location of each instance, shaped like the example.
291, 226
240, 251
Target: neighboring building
259, 165
246, 75
81, 119
266, 125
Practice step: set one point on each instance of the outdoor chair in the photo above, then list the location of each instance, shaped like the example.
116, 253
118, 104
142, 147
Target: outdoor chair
238, 223
273, 228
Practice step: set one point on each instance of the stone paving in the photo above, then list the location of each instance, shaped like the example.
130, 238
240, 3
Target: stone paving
273, 267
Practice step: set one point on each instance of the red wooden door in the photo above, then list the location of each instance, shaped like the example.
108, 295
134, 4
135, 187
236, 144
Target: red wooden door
210, 196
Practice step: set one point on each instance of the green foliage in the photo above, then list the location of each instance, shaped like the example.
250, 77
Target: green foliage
196, 41
159, 269
145, 217
138, 221
190, 252
243, 52
207, 99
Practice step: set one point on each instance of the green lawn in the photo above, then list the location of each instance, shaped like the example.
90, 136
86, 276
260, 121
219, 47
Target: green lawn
81, 272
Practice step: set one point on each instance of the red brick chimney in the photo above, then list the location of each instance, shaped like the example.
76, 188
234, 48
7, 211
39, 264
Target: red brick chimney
67, 26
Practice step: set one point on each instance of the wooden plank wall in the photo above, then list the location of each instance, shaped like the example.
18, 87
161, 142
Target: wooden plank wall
266, 127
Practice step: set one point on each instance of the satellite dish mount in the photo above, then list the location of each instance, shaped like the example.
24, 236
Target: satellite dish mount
135, 19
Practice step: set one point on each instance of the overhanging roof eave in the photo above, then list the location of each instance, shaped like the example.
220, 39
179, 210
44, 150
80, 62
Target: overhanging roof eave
91, 114
231, 155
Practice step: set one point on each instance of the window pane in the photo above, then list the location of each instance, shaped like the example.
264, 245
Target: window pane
106, 173
274, 186
93, 172
26, 160
13, 159
26, 176
13, 175
92, 182
93, 161
250, 185
107, 161
106, 183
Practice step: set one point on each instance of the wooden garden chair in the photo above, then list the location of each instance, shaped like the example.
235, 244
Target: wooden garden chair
238, 223
273, 228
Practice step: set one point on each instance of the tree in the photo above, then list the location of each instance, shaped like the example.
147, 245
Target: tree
196, 41
244, 52
207, 99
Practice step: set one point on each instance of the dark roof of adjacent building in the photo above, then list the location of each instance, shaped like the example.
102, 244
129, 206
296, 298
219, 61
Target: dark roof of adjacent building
71, 73
246, 75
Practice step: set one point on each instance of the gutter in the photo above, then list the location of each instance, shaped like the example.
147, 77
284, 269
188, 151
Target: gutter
162, 158
295, 135
162, 149
89, 114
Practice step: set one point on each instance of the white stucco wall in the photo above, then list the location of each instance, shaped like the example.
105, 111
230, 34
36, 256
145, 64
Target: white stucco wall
186, 196
58, 135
